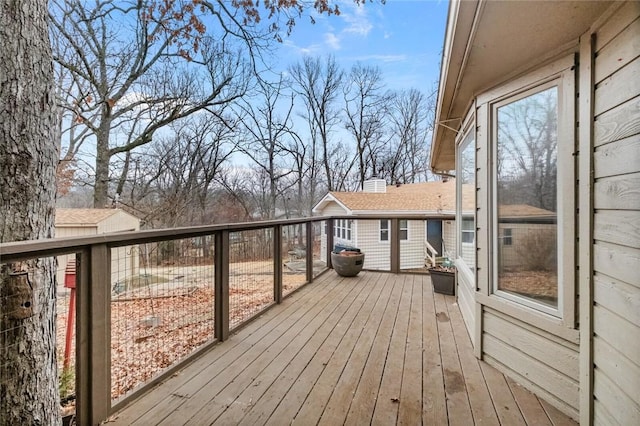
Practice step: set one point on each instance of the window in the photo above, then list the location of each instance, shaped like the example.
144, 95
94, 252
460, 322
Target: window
342, 229
468, 232
384, 230
404, 229
507, 237
526, 186
466, 201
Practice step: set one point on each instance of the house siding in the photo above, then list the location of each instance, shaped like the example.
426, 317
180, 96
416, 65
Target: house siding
377, 253
330, 210
616, 219
412, 250
546, 364
125, 261
449, 238
62, 231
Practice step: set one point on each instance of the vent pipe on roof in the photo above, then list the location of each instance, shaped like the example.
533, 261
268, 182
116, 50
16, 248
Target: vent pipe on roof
374, 185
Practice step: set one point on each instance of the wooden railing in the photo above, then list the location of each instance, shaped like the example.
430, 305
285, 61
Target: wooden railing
94, 288
430, 254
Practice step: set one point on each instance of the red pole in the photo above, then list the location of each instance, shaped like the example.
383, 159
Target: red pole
70, 323
70, 282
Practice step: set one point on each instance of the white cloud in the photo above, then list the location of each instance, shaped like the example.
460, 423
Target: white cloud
357, 22
332, 41
312, 49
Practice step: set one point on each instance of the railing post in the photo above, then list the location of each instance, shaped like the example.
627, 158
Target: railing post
221, 286
395, 245
93, 335
329, 242
277, 263
310, 237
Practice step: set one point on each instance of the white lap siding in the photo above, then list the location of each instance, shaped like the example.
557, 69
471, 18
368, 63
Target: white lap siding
616, 219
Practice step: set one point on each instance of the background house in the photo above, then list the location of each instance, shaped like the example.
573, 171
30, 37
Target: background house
84, 222
569, 74
523, 231
433, 199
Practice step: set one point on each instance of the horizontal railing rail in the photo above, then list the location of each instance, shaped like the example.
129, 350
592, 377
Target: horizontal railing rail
292, 252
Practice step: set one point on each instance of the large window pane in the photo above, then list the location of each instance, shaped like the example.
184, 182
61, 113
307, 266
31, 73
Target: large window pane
526, 172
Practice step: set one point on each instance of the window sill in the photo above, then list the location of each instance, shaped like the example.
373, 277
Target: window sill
545, 322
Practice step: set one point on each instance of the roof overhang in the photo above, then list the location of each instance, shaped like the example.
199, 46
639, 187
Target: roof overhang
325, 201
489, 42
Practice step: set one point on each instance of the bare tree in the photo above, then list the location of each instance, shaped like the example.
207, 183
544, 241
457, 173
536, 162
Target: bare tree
405, 157
129, 69
266, 126
366, 108
28, 158
318, 83
172, 182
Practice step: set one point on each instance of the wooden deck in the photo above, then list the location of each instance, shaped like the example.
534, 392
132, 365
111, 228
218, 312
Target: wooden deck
377, 349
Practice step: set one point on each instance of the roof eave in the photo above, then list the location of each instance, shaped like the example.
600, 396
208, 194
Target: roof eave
459, 26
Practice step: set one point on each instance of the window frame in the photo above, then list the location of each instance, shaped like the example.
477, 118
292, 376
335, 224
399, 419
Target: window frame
403, 229
507, 236
387, 230
468, 136
561, 74
471, 231
342, 229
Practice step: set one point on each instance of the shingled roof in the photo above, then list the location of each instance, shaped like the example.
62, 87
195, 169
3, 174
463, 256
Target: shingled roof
426, 197
71, 217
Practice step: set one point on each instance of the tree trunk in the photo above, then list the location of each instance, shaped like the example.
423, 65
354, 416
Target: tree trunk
101, 189
28, 158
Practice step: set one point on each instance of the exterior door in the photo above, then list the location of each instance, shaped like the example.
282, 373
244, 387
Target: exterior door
434, 235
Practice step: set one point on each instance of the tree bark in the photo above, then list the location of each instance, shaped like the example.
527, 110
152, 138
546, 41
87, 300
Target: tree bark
28, 158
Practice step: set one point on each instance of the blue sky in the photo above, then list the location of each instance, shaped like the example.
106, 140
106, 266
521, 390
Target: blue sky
403, 37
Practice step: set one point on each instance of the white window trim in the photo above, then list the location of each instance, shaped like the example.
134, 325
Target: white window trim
400, 228
521, 88
388, 229
343, 226
469, 127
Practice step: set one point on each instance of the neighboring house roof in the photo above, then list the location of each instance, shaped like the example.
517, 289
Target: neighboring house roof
437, 198
525, 213
85, 217
426, 198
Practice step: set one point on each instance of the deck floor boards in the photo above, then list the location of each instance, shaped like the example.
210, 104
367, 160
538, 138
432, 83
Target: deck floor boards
376, 349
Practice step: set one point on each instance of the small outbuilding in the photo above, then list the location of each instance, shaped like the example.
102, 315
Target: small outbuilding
86, 222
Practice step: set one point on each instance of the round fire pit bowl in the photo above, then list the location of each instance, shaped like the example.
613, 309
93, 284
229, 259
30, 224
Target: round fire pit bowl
347, 263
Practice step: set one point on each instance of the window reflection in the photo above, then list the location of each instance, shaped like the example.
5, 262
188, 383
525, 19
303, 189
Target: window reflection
526, 193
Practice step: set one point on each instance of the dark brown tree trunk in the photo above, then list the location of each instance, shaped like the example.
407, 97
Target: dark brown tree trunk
28, 158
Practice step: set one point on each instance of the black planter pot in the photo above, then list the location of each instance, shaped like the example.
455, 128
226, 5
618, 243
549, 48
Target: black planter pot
443, 282
347, 264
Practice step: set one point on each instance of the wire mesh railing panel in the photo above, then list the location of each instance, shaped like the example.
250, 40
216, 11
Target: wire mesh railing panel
65, 331
251, 273
414, 256
373, 238
162, 307
294, 257
33, 315
318, 239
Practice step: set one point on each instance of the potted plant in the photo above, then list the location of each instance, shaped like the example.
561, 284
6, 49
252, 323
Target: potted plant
347, 262
443, 278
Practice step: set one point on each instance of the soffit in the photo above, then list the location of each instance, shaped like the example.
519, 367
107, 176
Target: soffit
490, 40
